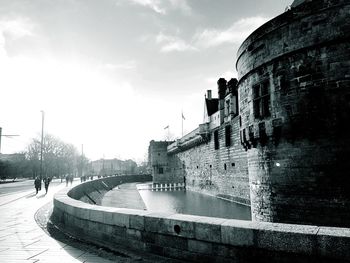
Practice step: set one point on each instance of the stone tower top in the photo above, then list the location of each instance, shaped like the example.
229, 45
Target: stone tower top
298, 2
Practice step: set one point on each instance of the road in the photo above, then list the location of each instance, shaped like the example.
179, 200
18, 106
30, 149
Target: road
22, 186
21, 238
24, 236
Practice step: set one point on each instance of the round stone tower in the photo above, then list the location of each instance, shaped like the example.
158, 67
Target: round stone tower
294, 103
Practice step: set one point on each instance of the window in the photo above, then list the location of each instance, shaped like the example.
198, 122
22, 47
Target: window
227, 108
261, 100
228, 135
160, 170
216, 140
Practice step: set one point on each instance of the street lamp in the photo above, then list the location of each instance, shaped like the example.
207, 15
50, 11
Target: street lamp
42, 141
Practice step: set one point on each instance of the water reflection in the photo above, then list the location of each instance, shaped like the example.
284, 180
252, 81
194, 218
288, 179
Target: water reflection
187, 202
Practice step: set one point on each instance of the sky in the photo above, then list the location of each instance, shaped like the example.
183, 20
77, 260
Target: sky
112, 74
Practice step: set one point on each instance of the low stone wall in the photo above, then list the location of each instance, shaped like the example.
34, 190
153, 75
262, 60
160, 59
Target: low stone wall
92, 191
196, 238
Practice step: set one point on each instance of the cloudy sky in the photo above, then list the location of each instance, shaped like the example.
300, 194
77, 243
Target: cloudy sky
111, 74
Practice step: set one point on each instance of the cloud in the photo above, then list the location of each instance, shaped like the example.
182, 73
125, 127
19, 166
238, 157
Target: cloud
12, 30
153, 4
234, 34
181, 5
162, 6
173, 43
208, 38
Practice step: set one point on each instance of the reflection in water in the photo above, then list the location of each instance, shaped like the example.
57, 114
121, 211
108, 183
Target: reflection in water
187, 202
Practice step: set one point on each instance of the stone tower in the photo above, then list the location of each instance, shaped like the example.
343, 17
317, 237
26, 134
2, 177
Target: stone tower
294, 103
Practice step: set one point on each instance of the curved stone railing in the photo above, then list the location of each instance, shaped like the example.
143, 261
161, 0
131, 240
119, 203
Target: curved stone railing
195, 238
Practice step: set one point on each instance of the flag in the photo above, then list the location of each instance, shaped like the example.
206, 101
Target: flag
183, 117
167, 127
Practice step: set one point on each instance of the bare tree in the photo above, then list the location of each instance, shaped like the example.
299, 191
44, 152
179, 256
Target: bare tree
59, 158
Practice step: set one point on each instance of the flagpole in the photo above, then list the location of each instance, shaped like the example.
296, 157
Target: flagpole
182, 124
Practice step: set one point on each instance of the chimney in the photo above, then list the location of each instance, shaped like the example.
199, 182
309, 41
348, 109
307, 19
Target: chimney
222, 85
209, 94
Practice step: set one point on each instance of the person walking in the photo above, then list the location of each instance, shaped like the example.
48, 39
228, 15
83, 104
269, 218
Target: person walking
37, 184
47, 181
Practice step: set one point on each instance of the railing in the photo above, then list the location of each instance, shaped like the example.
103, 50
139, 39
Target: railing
195, 137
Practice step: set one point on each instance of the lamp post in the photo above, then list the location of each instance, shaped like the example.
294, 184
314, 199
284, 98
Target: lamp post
41, 147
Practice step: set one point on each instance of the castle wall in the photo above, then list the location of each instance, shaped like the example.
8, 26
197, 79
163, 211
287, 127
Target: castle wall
299, 153
222, 172
165, 169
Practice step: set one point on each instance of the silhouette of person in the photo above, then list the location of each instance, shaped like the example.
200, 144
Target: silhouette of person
47, 181
37, 184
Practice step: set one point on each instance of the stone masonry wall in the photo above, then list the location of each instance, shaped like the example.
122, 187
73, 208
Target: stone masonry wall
222, 172
165, 169
196, 238
299, 155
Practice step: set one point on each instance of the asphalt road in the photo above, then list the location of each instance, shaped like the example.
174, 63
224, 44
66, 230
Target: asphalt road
23, 186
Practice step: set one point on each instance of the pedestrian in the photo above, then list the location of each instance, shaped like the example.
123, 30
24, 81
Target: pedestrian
37, 184
47, 181
67, 179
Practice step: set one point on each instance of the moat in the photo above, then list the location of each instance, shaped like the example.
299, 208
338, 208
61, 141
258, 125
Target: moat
180, 201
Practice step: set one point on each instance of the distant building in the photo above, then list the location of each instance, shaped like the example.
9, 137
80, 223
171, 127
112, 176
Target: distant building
112, 166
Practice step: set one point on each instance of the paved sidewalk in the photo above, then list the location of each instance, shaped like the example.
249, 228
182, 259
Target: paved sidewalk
124, 196
22, 240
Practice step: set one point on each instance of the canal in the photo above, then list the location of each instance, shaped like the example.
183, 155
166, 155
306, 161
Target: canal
179, 201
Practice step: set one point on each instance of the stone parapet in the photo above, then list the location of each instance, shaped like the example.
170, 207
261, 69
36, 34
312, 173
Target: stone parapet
197, 238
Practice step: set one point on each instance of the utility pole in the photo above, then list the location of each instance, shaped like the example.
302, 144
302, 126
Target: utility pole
182, 123
5, 135
82, 160
41, 147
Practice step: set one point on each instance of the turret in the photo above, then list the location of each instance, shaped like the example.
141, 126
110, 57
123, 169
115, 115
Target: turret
222, 86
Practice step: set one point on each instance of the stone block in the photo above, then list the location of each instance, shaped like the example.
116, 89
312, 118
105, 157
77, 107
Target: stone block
119, 231
137, 222
209, 229
286, 237
199, 246
133, 234
171, 241
82, 212
92, 226
148, 237
155, 222
108, 213
69, 209
180, 225
154, 249
334, 242
238, 232
58, 203
136, 217
96, 214
120, 219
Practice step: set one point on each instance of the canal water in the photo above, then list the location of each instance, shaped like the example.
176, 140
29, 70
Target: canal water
193, 203
179, 201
